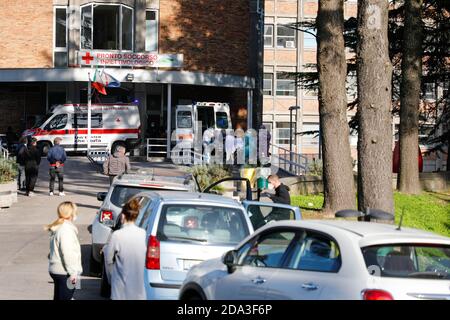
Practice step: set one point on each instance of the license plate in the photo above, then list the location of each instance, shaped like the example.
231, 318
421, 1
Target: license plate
187, 264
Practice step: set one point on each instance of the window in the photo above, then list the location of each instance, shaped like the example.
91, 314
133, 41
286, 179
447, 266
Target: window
286, 37
352, 85
315, 252
206, 116
80, 120
408, 261
309, 40
269, 250
222, 120
60, 41
184, 119
151, 31
57, 123
260, 215
429, 91
268, 84
311, 139
106, 27
121, 194
286, 84
283, 133
268, 35
202, 224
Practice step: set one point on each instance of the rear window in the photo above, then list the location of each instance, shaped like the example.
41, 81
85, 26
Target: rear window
203, 224
184, 119
222, 120
408, 261
121, 194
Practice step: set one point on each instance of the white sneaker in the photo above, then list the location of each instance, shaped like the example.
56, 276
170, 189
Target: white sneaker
31, 194
50, 194
62, 194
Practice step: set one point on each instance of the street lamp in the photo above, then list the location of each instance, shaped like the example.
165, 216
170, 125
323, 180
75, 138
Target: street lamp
296, 108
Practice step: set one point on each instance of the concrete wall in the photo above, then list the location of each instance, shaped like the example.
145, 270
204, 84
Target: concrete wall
430, 181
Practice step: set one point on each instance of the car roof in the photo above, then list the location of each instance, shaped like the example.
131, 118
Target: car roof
155, 182
369, 233
176, 196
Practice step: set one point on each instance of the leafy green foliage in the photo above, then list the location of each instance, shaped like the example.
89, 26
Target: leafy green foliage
208, 174
8, 170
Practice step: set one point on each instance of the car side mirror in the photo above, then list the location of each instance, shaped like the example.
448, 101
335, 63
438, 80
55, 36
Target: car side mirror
229, 259
101, 196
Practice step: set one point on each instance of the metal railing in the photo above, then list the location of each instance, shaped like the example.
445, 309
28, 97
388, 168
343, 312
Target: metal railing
4, 152
156, 147
291, 162
97, 157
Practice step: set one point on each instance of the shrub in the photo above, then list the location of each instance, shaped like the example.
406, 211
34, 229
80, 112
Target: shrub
8, 170
315, 168
208, 174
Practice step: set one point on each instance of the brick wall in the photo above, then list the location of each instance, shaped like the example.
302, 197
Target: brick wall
213, 35
26, 30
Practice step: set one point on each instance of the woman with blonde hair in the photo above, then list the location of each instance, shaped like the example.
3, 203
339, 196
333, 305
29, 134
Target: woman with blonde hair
65, 252
125, 254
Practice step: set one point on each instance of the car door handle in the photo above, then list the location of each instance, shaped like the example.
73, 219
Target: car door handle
259, 280
309, 286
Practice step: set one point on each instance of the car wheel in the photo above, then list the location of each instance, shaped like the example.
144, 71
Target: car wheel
191, 296
95, 268
105, 287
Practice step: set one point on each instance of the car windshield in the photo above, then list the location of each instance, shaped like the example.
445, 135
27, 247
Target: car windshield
408, 261
211, 225
42, 120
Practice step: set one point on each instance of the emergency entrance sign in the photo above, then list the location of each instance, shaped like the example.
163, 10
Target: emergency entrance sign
129, 59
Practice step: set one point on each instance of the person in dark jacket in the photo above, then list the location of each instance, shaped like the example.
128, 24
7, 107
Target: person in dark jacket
32, 161
281, 191
56, 157
20, 160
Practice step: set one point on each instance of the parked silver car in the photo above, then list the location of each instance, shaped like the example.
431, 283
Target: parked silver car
326, 260
121, 190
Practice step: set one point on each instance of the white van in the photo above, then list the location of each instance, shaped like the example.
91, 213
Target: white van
111, 125
213, 115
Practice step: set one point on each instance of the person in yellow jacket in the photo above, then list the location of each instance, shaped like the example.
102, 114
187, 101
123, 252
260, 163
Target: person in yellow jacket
65, 252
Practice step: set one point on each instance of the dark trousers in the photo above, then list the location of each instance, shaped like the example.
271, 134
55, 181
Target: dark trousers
21, 183
57, 172
31, 178
61, 289
111, 178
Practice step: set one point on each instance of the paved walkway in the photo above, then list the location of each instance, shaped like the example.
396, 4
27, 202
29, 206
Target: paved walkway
24, 243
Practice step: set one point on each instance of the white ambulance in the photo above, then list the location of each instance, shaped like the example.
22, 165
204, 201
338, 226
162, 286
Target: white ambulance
213, 115
111, 125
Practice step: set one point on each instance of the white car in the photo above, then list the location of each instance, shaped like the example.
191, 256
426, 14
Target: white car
327, 259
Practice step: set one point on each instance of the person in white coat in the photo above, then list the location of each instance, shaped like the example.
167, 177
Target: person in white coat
65, 252
125, 255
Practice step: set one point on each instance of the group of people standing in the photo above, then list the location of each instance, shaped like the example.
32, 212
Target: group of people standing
28, 159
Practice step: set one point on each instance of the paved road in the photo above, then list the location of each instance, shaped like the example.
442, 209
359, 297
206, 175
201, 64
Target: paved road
24, 243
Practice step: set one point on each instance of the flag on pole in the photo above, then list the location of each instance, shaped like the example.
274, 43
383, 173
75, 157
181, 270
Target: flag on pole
109, 80
98, 84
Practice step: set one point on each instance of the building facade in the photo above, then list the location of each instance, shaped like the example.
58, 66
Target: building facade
289, 51
47, 44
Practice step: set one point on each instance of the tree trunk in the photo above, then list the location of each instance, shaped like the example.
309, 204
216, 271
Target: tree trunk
338, 180
408, 177
374, 106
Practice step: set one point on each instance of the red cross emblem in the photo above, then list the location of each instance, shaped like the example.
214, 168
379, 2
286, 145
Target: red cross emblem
87, 58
